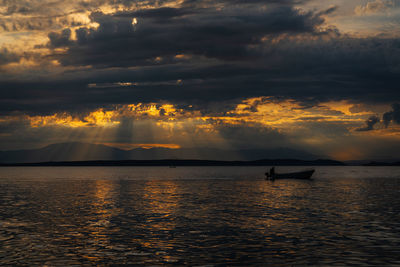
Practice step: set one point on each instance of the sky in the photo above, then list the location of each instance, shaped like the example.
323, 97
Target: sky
318, 76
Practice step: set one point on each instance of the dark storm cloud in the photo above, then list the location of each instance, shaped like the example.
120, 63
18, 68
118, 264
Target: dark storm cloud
166, 32
259, 2
7, 56
242, 50
60, 39
392, 116
370, 123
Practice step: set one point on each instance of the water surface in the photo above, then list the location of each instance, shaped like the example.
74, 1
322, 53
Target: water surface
217, 216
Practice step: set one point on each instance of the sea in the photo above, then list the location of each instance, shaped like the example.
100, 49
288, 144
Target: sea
198, 216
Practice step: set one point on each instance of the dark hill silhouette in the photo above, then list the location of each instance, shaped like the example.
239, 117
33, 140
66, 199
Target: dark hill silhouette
91, 152
187, 162
378, 163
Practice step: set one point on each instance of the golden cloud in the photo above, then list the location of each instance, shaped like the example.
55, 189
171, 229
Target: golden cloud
264, 111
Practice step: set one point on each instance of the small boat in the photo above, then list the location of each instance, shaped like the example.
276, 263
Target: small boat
303, 175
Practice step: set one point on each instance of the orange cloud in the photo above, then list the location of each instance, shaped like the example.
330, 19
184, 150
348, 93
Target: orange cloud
281, 115
128, 146
95, 118
169, 126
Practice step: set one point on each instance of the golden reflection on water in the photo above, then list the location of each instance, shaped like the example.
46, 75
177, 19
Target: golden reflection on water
98, 228
162, 198
328, 221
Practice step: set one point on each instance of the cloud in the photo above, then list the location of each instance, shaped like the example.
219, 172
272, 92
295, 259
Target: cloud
374, 7
166, 32
392, 116
6, 56
306, 69
23, 15
221, 52
212, 72
60, 39
43, 15
253, 123
370, 124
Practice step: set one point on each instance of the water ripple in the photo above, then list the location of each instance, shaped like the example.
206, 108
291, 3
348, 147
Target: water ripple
243, 220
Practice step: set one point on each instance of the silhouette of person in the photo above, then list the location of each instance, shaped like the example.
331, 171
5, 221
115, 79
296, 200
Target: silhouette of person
272, 171
271, 174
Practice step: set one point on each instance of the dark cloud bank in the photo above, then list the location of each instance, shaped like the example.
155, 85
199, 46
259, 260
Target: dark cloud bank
370, 123
392, 116
246, 49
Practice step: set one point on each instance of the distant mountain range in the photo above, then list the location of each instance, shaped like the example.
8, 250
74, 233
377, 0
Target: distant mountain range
94, 152
377, 163
185, 162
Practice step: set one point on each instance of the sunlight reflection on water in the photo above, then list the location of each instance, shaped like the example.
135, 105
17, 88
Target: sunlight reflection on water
198, 216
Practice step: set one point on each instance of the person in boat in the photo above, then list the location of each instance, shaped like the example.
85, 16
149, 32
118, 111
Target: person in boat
271, 173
